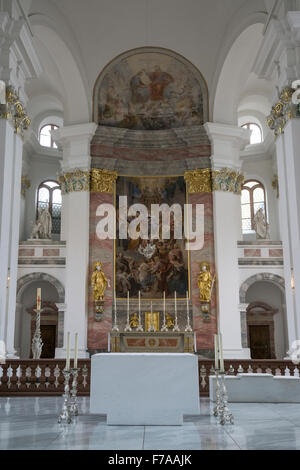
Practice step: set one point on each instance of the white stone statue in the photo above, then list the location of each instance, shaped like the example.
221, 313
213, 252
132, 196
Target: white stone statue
261, 226
42, 229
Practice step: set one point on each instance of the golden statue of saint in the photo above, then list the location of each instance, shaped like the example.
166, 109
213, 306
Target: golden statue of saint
99, 282
134, 321
205, 283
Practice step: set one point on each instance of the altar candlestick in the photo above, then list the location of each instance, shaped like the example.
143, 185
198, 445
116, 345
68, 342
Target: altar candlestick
187, 303
216, 353
175, 302
115, 303
68, 353
164, 305
39, 299
128, 307
76, 352
221, 354
139, 302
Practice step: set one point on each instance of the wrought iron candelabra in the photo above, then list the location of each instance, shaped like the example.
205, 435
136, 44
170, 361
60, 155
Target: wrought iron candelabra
221, 410
65, 415
37, 343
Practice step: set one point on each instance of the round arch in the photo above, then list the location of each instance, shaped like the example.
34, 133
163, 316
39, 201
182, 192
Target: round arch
25, 281
269, 277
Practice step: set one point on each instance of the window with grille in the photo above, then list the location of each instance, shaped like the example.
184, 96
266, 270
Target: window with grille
256, 136
49, 197
253, 199
45, 136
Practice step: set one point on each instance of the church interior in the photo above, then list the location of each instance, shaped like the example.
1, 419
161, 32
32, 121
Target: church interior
149, 225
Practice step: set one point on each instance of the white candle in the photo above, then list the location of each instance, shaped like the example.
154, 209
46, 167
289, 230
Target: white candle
39, 299
187, 303
164, 304
76, 351
216, 353
128, 302
221, 354
115, 302
175, 302
68, 352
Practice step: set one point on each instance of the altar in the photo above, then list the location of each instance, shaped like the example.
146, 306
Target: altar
156, 342
139, 389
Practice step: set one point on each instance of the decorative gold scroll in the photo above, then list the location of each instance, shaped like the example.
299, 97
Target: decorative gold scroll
96, 181
103, 181
228, 180
283, 111
206, 181
14, 111
198, 181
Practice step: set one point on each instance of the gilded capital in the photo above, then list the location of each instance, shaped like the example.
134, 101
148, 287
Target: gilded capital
286, 108
76, 181
103, 181
198, 181
15, 112
227, 180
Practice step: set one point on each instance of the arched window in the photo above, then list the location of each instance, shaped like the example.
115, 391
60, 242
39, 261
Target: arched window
49, 197
45, 136
253, 198
256, 136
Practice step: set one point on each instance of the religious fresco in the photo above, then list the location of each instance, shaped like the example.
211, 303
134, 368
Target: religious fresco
150, 90
167, 269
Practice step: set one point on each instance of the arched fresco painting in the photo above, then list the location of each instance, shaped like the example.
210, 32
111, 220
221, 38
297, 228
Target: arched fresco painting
150, 89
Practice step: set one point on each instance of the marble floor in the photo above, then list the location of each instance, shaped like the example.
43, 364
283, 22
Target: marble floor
31, 423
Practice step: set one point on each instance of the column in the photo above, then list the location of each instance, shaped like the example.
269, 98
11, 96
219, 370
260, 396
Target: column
75, 182
19, 63
227, 142
279, 61
14, 246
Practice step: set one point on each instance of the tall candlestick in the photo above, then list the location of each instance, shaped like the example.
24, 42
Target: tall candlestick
128, 304
39, 299
115, 303
76, 352
128, 327
139, 302
68, 353
221, 353
216, 353
175, 302
187, 303
164, 327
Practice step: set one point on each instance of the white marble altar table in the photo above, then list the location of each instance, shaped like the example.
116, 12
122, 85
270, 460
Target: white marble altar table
145, 388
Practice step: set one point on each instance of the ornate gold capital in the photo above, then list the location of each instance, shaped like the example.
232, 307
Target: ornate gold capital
283, 111
227, 180
103, 181
76, 181
198, 181
15, 112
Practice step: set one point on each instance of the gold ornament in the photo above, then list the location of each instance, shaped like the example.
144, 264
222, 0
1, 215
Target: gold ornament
14, 111
99, 282
170, 322
103, 181
282, 111
134, 321
227, 180
205, 283
198, 181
